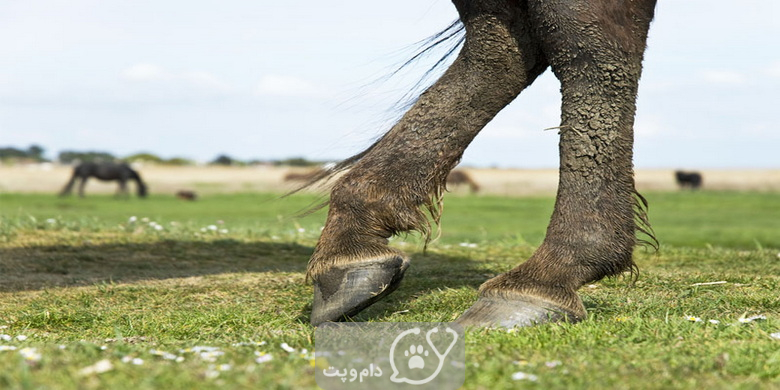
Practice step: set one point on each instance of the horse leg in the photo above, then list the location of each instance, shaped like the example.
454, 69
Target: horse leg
595, 50
69, 186
122, 189
82, 184
352, 266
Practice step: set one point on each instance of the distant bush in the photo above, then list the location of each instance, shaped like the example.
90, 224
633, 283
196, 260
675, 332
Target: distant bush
224, 159
297, 162
33, 153
144, 158
69, 156
178, 161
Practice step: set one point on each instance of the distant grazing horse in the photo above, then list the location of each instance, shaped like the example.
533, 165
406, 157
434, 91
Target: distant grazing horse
595, 49
457, 178
104, 171
186, 195
690, 180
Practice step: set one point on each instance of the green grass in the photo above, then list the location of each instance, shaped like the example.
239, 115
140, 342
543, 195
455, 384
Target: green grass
85, 285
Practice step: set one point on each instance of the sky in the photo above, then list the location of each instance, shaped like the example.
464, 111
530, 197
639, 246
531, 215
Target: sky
272, 80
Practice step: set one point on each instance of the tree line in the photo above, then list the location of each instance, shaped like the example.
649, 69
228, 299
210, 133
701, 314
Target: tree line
35, 153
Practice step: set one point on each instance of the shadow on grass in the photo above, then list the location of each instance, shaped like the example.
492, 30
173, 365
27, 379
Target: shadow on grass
43, 267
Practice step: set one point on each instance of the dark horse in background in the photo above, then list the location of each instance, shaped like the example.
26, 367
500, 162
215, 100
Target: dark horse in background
692, 180
595, 49
105, 171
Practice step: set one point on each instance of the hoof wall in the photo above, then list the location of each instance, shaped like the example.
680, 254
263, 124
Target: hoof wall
344, 291
491, 312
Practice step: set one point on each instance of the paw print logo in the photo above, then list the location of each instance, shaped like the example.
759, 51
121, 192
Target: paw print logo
416, 354
416, 360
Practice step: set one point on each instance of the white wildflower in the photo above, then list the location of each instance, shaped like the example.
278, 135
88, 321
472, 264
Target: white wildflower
745, 320
775, 335
714, 322
5, 337
213, 228
518, 376
263, 357
694, 319
249, 343
468, 245
287, 348
199, 348
100, 367
132, 219
165, 355
51, 221
223, 231
21, 337
7, 348
30, 354
130, 359
209, 354
553, 364
301, 230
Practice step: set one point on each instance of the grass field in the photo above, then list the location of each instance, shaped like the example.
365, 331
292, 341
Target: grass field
101, 293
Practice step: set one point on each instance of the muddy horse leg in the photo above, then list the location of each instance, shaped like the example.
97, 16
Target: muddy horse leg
352, 265
595, 50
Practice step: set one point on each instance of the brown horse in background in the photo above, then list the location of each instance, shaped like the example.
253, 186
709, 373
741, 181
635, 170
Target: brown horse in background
459, 177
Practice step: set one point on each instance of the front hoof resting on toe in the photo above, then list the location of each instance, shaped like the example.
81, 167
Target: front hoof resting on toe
344, 291
508, 313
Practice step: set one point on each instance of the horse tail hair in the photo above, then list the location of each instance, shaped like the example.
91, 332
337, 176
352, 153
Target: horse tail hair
451, 39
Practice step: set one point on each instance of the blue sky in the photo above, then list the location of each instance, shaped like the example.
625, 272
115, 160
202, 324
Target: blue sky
269, 80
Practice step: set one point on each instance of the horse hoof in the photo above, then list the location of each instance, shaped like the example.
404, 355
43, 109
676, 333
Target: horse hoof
344, 291
492, 312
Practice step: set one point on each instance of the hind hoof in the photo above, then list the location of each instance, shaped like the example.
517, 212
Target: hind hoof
344, 291
492, 312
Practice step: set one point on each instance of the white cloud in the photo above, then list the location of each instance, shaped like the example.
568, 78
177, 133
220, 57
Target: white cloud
723, 77
276, 85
